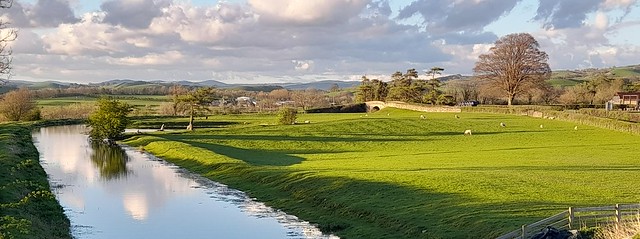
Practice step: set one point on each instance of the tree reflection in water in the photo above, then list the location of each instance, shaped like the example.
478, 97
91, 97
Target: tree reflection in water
111, 161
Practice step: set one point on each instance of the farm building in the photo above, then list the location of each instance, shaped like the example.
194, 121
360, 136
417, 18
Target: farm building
632, 99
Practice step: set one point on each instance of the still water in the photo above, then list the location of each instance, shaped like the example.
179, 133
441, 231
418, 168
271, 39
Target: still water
114, 192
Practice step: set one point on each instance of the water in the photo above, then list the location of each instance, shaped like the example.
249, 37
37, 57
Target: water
113, 192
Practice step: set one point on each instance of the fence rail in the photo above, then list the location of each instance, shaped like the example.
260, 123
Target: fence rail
573, 218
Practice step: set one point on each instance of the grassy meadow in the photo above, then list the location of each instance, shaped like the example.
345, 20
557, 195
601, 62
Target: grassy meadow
135, 100
391, 174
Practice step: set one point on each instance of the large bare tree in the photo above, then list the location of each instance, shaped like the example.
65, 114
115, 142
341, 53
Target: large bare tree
7, 35
514, 65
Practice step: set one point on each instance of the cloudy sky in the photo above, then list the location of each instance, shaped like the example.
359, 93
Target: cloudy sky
257, 41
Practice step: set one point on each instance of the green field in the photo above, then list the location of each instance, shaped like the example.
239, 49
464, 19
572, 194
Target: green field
135, 100
391, 174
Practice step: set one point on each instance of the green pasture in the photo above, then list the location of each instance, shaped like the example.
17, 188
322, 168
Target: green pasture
135, 100
392, 174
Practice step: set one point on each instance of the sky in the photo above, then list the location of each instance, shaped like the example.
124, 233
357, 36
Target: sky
269, 41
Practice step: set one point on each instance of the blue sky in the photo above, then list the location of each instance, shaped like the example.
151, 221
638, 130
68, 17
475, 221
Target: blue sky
258, 41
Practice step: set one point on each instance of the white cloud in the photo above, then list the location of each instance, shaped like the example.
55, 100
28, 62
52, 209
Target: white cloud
302, 65
166, 58
292, 40
307, 12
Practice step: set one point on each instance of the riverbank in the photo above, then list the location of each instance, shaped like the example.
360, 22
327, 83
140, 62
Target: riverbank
406, 174
28, 208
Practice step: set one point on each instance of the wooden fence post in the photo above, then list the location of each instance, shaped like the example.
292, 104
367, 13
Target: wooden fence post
570, 217
618, 214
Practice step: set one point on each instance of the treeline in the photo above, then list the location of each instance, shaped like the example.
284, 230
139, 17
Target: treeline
234, 101
20, 105
407, 87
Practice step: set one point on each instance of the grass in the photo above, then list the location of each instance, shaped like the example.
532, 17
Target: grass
28, 209
135, 100
392, 175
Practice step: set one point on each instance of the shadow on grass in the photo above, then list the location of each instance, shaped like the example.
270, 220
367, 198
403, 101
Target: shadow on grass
284, 138
181, 124
251, 156
353, 208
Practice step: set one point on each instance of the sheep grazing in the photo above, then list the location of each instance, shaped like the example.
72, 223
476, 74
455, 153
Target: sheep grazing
541, 126
388, 114
457, 117
502, 124
467, 132
422, 117
575, 128
307, 122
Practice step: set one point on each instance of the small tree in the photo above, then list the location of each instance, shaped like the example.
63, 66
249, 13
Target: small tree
109, 120
197, 100
18, 105
287, 115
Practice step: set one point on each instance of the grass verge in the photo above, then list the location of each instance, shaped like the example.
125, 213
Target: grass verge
28, 208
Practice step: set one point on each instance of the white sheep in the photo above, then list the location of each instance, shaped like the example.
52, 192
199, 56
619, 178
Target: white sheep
502, 124
541, 126
575, 128
467, 132
457, 117
422, 117
307, 122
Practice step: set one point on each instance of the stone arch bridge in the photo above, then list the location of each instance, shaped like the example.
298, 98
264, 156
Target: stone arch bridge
378, 105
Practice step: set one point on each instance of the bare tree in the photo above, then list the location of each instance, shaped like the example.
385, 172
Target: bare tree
7, 35
514, 65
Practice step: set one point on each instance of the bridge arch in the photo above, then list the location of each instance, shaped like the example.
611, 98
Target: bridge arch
375, 105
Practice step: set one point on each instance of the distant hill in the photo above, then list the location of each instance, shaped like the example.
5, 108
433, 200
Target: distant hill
559, 78
563, 78
321, 85
138, 84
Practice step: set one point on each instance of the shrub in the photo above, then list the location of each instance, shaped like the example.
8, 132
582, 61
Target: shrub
287, 115
110, 120
17, 105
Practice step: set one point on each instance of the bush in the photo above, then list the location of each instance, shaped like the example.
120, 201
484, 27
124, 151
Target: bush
287, 116
110, 120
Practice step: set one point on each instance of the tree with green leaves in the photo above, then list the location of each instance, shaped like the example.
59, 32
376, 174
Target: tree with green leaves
402, 86
435, 71
198, 101
109, 120
364, 92
514, 65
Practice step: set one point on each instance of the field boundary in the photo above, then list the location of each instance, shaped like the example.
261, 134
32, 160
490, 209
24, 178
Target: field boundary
542, 112
574, 218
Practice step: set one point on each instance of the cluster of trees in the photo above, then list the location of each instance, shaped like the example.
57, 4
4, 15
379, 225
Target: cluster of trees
225, 99
407, 87
514, 69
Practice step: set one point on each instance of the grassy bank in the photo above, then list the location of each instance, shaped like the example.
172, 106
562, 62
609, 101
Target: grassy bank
28, 209
391, 174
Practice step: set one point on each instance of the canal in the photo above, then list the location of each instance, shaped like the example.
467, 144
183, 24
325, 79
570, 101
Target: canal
120, 192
